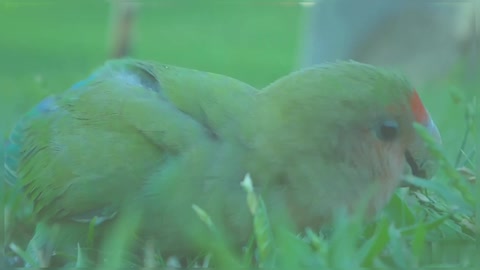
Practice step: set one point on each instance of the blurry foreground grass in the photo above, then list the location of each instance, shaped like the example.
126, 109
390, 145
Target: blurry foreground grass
47, 47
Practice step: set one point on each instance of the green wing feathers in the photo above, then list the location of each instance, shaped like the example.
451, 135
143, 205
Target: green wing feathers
80, 153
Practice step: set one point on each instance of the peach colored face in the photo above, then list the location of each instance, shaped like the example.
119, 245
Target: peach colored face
394, 160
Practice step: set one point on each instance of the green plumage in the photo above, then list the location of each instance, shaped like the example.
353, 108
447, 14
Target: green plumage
160, 138
114, 131
81, 154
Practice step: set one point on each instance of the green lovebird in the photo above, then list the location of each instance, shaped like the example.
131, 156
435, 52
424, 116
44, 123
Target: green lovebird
79, 155
158, 139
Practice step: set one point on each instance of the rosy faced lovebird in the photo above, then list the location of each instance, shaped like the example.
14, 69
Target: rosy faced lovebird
330, 135
159, 139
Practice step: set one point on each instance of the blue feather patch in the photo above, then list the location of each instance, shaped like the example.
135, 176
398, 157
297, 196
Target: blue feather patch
13, 146
47, 105
83, 83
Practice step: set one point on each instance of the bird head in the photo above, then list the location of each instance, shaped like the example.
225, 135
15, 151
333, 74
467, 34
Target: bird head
329, 133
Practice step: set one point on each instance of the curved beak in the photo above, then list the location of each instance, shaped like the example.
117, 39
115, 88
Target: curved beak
420, 160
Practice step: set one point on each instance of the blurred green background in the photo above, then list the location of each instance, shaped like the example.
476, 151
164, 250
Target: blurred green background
47, 46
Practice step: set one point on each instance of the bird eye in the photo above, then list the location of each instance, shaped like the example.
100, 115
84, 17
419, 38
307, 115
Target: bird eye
388, 130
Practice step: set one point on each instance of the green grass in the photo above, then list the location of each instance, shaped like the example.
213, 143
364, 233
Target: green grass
46, 46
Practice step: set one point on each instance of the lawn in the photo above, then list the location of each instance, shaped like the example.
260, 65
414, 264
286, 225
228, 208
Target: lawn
46, 46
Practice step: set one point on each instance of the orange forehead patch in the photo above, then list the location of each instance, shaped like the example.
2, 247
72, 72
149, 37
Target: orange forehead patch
421, 114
